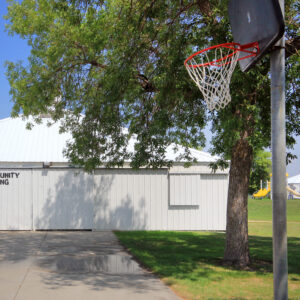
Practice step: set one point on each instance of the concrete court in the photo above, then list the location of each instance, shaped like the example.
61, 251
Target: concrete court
72, 265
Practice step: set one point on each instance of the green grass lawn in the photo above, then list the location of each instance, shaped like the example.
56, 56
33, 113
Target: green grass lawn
261, 209
191, 262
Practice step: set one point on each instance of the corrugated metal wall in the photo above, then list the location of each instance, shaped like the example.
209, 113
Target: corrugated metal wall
198, 201
127, 199
15, 199
62, 199
185, 189
113, 199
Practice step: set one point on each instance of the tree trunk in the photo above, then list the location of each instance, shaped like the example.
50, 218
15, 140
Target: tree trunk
237, 248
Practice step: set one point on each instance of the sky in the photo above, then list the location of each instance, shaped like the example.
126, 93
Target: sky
15, 49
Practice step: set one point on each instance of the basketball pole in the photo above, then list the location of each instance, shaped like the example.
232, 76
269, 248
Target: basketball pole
278, 142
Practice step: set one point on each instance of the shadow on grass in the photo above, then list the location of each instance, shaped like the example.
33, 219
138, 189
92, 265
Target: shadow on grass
190, 255
261, 250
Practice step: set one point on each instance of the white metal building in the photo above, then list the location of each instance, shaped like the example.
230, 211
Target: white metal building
294, 183
34, 196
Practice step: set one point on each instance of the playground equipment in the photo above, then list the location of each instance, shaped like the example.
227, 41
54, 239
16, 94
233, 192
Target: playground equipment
263, 192
292, 192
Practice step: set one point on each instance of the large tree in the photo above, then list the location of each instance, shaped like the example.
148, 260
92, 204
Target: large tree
102, 66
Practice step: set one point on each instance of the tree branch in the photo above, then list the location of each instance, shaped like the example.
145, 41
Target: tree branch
292, 46
143, 17
96, 64
182, 9
146, 85
205, 7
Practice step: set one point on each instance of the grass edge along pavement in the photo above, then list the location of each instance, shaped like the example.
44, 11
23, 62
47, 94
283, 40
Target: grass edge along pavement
191, 262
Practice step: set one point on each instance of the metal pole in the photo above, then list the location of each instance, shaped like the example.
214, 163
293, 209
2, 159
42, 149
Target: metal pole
280, 269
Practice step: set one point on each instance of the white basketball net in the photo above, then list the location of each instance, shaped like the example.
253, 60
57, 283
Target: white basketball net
211, 71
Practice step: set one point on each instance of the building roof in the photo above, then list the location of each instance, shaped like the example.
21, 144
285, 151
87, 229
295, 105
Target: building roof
294, 179
45, 144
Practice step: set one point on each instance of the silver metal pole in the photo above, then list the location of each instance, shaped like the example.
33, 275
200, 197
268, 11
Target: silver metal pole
280, 268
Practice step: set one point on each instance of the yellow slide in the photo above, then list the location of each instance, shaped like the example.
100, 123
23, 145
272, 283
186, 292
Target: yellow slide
293, 192
263, 192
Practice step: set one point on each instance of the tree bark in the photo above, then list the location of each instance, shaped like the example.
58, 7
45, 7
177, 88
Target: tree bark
237, 248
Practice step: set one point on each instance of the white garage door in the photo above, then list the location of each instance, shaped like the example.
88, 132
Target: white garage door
131, 200
62, 199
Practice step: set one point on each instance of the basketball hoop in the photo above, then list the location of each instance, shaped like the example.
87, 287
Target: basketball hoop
211, 69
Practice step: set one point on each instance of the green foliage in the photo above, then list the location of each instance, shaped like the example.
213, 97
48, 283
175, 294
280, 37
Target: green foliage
103, 66
261, 169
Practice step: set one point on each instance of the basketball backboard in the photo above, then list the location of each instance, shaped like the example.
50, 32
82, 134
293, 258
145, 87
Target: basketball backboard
255, 21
